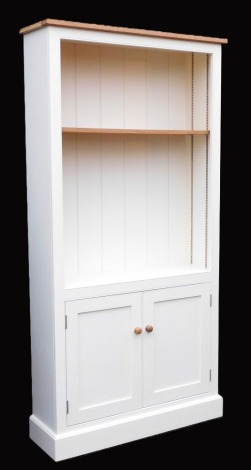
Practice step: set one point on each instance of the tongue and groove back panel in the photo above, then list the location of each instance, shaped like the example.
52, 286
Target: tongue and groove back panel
133, 202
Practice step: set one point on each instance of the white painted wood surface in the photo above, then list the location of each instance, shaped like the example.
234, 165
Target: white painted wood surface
104, 86
157, 98
176, 352
89, 204
118, 282
157, 232
127, 204
68, 84
38, 154
88, 86
127, 40
180, 95
170, 363
56, 186
70, 201
214, 202
112, 87
128, 427
200, 222
113, 203
200, 96
135, 202
179, 200
104, 370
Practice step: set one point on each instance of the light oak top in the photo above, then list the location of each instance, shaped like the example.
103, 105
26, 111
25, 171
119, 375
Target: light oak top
81, 130
115, 29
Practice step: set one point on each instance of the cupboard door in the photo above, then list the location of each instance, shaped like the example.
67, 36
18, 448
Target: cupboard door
104, 369
176, 352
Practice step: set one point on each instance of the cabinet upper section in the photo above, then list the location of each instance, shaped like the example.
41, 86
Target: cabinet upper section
128, 124
115, 29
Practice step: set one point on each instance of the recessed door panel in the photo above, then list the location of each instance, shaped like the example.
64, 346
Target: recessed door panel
176, 351
104, 369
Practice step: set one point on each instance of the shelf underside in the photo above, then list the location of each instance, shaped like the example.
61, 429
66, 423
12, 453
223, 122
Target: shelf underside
133, 275
80, 130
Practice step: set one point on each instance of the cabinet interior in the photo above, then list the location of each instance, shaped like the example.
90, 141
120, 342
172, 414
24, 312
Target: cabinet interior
135, 206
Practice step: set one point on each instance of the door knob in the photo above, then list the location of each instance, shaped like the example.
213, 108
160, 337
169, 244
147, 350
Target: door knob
137, 330
149, 328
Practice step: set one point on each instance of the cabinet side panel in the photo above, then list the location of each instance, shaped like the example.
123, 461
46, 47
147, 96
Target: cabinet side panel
37, 101
214, 199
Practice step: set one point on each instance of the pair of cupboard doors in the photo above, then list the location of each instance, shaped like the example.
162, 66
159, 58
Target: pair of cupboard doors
112, 370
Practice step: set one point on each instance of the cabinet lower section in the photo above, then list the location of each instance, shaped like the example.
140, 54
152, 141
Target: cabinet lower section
137, 364
124, 428
126, 352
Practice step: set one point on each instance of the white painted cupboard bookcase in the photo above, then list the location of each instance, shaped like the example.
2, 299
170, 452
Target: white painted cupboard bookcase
123, 172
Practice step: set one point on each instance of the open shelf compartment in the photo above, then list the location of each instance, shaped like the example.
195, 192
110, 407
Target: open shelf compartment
135, 163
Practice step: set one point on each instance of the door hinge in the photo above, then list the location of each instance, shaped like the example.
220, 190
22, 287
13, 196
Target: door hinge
210, 375
65, 321
67, 407
211, 300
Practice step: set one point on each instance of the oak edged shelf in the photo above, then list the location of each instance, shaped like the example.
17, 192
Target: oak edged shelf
81, 130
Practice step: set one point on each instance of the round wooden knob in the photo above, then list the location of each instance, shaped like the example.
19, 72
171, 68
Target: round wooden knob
149, 328
137, 330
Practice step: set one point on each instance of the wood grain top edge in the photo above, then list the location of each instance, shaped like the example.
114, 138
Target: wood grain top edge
79, 130
123, 30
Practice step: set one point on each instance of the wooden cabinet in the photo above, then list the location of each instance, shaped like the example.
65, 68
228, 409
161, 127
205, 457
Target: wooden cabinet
123, 172
125, 352
111, 364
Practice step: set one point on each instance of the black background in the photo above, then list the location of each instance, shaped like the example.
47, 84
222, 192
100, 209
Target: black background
196, 445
